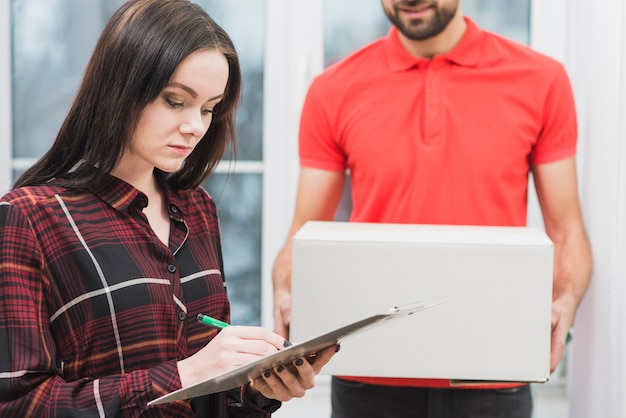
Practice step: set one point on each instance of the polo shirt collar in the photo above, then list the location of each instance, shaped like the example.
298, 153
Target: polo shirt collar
467, 53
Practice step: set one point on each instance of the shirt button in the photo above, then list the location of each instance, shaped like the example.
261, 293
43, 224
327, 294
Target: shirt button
174, 209
171, 268
182, 316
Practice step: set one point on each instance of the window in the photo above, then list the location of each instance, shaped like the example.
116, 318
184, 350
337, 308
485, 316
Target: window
51, 43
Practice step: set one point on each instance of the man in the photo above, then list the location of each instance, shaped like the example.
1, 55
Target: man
441, 123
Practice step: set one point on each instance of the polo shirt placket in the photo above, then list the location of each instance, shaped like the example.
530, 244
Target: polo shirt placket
434, 123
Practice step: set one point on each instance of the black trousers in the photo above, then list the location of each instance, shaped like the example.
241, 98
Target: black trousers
358, 400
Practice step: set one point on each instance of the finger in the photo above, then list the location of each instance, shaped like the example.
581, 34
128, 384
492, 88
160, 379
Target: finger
289, 377
305, 372
285, 310
558, 342
281, 329
556, 316
261, 385
556, 354
324, 356
286, 313
274, 385
263, 340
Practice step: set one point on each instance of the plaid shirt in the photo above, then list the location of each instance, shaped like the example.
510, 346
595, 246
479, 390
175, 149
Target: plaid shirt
95, 310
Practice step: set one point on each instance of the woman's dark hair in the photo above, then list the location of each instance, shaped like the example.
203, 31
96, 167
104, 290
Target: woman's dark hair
136, 55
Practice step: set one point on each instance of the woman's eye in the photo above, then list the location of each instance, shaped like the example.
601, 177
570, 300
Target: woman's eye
206, 112
173, 103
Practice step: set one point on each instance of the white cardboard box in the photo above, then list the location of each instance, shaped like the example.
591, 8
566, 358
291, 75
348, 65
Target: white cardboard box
497, 281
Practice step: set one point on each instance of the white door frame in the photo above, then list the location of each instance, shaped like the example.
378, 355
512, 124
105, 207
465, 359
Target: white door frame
293, 55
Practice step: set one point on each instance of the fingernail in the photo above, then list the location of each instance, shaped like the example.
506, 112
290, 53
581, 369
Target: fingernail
337, 348
287, 344
280, 369
267, 374
299, 362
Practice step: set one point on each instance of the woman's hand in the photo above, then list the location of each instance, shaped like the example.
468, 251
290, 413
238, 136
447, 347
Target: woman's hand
292, 380
232, 347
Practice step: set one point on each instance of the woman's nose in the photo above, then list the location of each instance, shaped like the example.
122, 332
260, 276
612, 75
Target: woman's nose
193, 124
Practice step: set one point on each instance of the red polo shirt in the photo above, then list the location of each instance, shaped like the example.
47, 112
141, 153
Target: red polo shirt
441, 141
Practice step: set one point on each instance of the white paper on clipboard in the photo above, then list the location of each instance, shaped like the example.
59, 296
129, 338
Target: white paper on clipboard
250, 371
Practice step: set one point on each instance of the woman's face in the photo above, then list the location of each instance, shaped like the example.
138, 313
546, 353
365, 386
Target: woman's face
172, 125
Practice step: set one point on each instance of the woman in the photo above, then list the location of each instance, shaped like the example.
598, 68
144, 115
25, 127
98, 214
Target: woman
110, 248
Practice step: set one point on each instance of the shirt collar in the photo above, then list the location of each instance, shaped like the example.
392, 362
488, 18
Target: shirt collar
120, 195
466, 53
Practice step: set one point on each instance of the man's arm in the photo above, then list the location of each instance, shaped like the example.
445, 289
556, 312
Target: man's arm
318, 196
557, 193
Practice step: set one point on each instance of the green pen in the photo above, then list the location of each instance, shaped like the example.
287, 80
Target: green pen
212, 322
217, 324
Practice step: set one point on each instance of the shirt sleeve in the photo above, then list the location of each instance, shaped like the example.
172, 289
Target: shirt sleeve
31, 377
317, 141
242, 405
559, 133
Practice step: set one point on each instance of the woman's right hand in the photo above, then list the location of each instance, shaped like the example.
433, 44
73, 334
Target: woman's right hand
232, 347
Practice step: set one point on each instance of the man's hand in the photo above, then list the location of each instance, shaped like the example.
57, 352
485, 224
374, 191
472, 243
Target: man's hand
282, 312
563, 312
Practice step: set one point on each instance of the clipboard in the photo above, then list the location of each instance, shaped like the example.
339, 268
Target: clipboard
244, 374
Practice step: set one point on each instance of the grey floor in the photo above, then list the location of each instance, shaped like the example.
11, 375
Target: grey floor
550, 402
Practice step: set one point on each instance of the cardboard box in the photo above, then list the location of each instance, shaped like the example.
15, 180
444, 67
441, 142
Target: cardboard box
497, 281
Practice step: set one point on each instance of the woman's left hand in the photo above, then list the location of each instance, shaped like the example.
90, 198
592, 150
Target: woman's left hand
292, 380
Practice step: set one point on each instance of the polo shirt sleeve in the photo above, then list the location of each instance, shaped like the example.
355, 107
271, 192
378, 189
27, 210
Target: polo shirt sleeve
31, 376
558, 136
318, 145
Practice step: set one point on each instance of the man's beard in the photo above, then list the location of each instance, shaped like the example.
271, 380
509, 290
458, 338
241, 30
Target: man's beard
422, 29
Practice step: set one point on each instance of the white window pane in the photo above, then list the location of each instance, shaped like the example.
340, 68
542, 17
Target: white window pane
52, 41
243, 21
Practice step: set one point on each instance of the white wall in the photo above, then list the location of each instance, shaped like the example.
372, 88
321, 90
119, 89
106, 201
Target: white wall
597, 54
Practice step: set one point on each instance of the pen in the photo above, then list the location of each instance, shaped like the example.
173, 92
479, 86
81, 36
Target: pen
217, 324
212, 322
